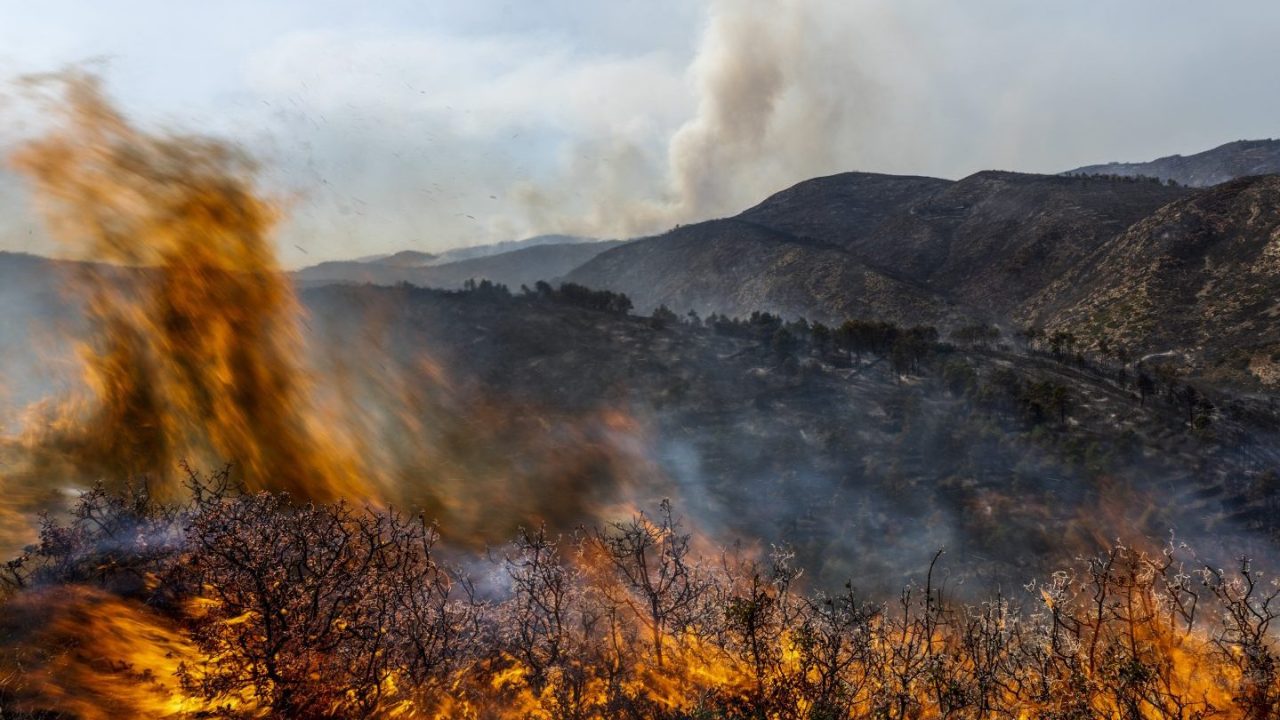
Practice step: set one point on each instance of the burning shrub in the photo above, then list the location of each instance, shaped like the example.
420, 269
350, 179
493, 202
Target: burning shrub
326, 609
553, 629
264, 607
118, 538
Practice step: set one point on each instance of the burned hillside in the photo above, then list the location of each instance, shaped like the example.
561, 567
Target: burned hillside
994, 447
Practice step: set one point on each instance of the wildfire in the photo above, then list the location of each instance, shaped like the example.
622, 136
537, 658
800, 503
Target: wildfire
196, 348
94, 655
302, 594
257, 607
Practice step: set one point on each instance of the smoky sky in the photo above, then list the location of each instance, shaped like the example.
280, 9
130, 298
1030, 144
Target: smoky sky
394, 125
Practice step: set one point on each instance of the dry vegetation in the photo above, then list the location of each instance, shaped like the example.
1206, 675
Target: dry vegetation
262, 607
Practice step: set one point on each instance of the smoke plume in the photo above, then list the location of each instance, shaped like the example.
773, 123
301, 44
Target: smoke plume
781, 97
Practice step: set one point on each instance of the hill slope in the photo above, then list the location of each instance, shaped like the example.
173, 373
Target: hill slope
1201, 276
736, 267
992, 240
752, 436
903, 248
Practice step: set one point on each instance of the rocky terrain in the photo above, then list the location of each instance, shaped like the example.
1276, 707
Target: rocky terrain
989, 241
1198, 277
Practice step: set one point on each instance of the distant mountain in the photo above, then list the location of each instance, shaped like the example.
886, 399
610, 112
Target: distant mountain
907, 249
477, 251
521, 263
1211, 167
407, 258
418, 258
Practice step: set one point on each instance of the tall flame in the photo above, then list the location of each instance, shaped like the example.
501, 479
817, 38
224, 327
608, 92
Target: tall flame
197, 350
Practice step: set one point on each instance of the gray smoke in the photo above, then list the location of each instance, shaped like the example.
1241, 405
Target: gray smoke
781, 96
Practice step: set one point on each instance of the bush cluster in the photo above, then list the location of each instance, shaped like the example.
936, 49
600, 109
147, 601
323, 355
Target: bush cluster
325, 611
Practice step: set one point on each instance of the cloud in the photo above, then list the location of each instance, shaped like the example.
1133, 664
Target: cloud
434, 135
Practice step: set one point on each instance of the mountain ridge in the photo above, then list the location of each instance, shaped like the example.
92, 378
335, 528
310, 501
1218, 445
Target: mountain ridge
1203, 169
937, 243
522, 265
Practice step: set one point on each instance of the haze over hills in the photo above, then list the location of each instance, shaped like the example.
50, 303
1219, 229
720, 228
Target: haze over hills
415, 258
477, 251
512, 263
1211, 167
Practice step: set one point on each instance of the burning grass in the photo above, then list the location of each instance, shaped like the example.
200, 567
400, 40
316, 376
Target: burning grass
245, 604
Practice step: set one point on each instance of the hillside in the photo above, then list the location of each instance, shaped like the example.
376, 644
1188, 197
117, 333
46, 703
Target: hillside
736, 266
1211, 167
902, 248
967, 448
990, 241
506, 246
1200, 277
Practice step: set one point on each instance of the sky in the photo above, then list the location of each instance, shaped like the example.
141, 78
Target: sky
399, 125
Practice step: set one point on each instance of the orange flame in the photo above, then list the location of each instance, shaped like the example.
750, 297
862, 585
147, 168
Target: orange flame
88, 654
196, 350
196, 358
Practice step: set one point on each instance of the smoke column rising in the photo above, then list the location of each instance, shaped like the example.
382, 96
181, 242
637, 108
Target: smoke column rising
781, 96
